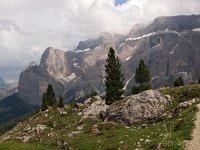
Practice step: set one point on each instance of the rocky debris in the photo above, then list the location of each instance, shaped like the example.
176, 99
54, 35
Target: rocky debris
24, 139
80, 128
187, 104
26, 129
95, 130
80, 113
88, 101
63, 113
40, 128
93, 107
5, 138
80, 104
147, 105
184, 105
61, 143
72, 134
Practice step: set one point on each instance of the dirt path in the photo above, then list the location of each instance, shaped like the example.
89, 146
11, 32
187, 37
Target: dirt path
194, 144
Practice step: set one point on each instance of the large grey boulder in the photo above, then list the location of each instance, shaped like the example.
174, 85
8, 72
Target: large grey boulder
145, 106
93, 107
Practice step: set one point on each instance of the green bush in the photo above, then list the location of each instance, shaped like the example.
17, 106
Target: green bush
179, 82
140, 88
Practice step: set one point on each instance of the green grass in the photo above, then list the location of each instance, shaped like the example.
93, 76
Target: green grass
24, 146
168, 133
116, 136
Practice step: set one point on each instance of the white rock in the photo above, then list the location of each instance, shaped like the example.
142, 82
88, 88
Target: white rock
93, 110
71, 134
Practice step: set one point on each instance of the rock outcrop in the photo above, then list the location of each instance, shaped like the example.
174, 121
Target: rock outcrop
148, 105
93, 107
170, 47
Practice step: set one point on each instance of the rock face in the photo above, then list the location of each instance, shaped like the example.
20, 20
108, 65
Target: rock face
169, 46
145, 106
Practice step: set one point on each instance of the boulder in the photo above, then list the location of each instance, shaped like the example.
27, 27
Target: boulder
147, 105
61, 143
187, 104
24, 139
94, 107
40, 128
5, 138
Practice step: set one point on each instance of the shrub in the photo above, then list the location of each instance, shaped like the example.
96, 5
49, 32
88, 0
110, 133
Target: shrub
140, 88
179, 82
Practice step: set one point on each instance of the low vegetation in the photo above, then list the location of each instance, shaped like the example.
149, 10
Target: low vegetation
66, 128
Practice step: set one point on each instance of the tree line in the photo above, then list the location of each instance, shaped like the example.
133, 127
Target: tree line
114, 82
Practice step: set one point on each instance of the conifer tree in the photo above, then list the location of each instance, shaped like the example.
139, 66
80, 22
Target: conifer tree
198, 81
44, 102
51, 96
143, 77
92, 94
61, 102
114, 78
142, 74
179, 82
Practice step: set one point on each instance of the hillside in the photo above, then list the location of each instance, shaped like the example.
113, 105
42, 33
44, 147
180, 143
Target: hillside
12, 110
164, 121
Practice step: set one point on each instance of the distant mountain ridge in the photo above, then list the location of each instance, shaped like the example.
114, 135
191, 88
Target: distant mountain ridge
2, 83
170, 47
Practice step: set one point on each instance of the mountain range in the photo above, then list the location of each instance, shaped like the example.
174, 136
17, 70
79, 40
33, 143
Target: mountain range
169, 46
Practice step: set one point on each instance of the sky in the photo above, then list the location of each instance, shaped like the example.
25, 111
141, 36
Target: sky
120, 2
28, 27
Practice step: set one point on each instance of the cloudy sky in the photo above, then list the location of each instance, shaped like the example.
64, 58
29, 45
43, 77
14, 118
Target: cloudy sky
27, 27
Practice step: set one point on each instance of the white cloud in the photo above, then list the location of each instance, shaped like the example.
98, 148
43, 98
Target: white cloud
27, 27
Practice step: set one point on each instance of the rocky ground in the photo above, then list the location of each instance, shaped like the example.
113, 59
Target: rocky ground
155, 119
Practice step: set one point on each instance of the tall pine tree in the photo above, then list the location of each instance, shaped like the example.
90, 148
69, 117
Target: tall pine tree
114, 79
142, 74
51, 96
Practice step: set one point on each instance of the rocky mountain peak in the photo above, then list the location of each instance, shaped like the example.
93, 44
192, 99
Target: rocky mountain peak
53, 61
174, 23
